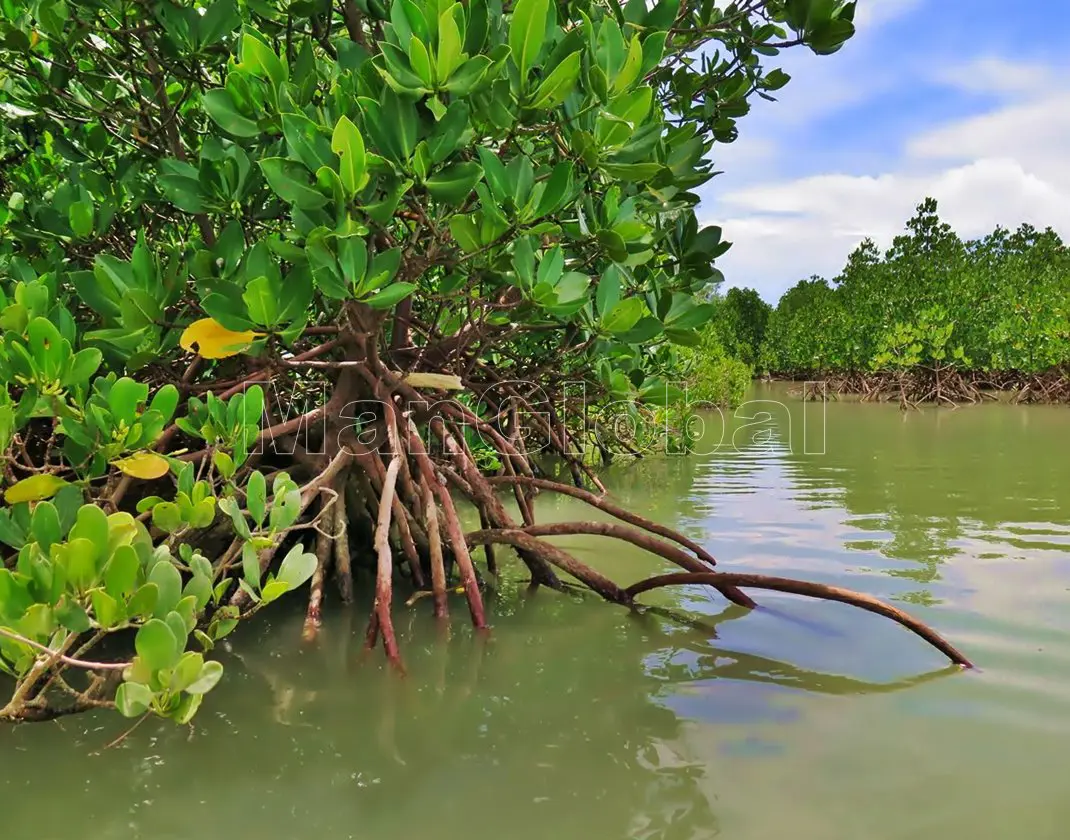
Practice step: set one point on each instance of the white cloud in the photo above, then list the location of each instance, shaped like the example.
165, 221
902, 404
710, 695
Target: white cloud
991, 74
875, 12
1006, 166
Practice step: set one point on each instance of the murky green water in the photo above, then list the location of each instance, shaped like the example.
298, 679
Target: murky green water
577, 720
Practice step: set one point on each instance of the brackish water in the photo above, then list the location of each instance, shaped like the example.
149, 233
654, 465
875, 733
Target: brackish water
574, 719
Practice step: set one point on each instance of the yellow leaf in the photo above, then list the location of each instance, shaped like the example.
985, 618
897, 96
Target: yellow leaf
34, 488
209, 339
445, 381
143, 465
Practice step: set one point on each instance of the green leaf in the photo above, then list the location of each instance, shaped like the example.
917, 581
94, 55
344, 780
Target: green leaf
449, 131
250, 563
139, 309
297, 567
157, 645
125, 397
527, 30
348, 144
384, 266
120, 573
187, 708
72, 615
231, 508
143, 602
262, 298
187, 671
91, 523
218, 19
179, 620
203, 513
609, 290
629, 71
420, 60
557, 189
391, 295
211, 673
306, 141
169, 583
658, 392
80, 215
685, 314
80, 558
273, 591
448, 57
559, 84
353, 259
10, 532
624, 315
465, 233
454, 183
631, 172
106, 609
219, 105
167, 517
469, 75
256, 497
44, 526
133, 699
614, 245
290, 181
260, 60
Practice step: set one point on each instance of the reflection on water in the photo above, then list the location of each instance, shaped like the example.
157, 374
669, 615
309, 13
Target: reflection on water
576, 719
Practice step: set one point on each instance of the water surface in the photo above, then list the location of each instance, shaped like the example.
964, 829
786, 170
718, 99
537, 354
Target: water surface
575, 719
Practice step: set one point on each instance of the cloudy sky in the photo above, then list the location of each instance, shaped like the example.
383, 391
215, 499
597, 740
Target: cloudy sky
964, 100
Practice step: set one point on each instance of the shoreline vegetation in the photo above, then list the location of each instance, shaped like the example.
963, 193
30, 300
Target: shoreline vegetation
933, 319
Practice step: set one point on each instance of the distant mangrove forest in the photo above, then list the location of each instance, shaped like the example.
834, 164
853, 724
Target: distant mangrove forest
934, 318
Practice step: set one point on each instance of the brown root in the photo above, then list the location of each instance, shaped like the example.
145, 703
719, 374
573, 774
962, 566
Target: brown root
381, 620
343, 563
644, 541
324, 551
438, 567
563, 560
810, 590
604, 505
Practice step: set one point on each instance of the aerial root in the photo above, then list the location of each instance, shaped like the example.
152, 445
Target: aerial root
637, 538
343, 564
381, 623
324, 553
562, 559
601, 503
811, 590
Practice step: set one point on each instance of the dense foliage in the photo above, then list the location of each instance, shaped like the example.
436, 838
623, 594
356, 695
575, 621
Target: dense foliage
739, 321
712, 374
274, 274
932, 302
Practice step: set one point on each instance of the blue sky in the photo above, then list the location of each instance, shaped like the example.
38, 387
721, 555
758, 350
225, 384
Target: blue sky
964, 100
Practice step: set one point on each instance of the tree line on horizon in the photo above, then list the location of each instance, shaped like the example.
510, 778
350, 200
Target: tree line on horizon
994, 308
